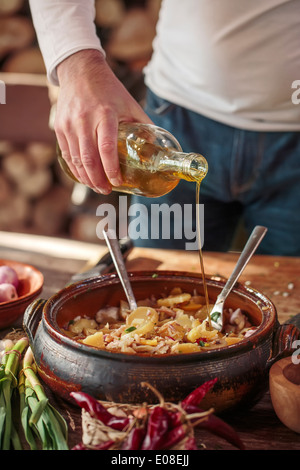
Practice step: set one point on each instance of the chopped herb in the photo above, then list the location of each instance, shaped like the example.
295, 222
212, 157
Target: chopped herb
154, 275
215, 316
129, 329
201, 343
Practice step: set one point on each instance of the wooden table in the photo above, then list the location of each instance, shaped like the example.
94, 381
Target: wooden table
277, 277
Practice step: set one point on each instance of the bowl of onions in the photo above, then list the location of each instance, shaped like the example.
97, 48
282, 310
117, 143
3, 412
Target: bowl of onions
19, 285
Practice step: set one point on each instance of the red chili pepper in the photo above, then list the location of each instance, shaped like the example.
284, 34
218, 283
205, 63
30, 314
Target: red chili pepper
190, 444
79, 446
175, 419
195, 397
134, 439
174, 436
97, 410
158, 425
104, 446
217, 426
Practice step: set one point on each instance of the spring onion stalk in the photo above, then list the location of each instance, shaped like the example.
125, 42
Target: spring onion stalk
38, 416
8, 382
25, 413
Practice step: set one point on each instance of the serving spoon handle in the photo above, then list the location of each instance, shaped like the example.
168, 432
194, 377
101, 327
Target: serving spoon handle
253, 242
249, 249
118, 260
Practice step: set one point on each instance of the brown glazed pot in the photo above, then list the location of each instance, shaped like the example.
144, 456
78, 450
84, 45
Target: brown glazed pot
241, 369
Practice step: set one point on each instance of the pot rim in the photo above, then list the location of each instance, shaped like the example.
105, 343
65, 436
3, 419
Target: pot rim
264, 304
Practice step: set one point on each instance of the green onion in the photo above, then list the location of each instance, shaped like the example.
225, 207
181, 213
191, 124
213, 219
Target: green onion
215, 316
38, 416
8, 383
43, 426
130, 329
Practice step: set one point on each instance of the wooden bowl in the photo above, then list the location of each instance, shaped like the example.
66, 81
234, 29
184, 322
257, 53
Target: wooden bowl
242, 368
284, 379
30, 285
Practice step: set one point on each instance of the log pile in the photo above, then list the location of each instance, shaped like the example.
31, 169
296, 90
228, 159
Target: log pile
35, 196
19, 52
131, 30
126, 28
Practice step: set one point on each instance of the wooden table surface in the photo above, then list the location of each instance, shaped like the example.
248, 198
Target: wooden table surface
276, 277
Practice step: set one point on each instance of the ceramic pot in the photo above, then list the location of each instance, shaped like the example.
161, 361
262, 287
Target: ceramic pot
242, 369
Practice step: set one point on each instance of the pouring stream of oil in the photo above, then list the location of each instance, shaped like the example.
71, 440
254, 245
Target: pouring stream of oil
200, 251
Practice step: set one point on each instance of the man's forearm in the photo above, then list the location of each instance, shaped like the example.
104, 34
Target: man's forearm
63, 27
79, 64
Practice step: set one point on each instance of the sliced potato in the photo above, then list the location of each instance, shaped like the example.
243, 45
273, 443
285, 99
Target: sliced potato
79, 325
95, 340
184, 320
186, 348
143, 319
232, 340
200, 331
172, 300
149, 342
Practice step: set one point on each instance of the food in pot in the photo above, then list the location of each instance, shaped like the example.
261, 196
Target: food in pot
171, 324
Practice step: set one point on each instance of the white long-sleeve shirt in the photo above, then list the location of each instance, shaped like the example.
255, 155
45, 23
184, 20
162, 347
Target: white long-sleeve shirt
231, 60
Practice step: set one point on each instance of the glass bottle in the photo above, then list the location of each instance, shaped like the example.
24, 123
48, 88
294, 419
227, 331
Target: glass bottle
151, 161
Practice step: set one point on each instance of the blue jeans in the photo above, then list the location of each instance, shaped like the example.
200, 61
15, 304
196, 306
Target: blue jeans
252, 176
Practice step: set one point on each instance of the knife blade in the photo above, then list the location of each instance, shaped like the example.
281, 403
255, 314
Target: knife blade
105, 264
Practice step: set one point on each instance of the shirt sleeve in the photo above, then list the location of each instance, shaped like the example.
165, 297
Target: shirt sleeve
63, 27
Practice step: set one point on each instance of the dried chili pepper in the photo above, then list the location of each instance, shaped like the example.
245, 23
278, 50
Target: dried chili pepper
97, 410
157, 426
190, 444
195, 397
104, 445
175, 419
217, 426
174, 436
134, 439
79, 446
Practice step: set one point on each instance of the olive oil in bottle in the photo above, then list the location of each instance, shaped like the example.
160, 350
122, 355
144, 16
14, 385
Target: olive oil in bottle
151, 161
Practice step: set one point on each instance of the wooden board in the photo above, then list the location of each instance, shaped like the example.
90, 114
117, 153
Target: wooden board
276, 277
259, 427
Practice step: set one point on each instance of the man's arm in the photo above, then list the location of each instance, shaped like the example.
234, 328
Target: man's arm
92, 101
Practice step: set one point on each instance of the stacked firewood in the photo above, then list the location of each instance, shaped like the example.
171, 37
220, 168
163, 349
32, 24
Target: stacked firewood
131, 29
19, 51
126, 27
35, 195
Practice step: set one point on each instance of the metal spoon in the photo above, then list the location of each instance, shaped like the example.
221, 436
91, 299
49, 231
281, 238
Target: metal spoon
216, 314
118, 260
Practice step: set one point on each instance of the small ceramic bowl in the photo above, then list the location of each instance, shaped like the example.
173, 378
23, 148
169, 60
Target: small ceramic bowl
284, 379
30, 285
241, 368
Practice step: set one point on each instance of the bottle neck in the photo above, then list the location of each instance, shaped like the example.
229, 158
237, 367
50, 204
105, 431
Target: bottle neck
187, 166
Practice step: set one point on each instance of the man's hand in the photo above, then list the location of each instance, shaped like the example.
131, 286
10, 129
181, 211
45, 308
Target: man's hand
91, 104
